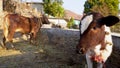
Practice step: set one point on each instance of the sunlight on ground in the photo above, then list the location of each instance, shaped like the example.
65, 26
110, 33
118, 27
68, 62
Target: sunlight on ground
40, 51
11, 52
21, 38
4, 52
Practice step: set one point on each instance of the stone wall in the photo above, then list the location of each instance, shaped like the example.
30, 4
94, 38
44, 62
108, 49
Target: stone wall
58, 36
66, 37
116, 41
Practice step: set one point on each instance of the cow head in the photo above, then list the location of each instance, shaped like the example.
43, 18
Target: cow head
44, 19
92, 30
40, 20
35, 25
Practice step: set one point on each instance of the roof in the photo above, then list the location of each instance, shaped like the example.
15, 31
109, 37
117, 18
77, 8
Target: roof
69, 14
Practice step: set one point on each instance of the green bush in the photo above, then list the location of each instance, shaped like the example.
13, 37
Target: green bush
70, 23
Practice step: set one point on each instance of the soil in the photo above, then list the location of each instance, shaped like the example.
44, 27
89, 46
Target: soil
50, 52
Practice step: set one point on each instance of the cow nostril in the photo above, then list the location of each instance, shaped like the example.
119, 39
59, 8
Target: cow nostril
80, 51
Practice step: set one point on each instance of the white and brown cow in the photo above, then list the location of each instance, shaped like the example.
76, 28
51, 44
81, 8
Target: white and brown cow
95, 38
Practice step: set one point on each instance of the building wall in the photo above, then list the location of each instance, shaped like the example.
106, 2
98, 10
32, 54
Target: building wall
58, 22
37, 6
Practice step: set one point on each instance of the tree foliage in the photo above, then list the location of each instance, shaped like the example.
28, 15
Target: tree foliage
9, 6
105, 7
53, 7
70, 23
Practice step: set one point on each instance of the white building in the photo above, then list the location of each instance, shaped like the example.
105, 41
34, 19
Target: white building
36, 4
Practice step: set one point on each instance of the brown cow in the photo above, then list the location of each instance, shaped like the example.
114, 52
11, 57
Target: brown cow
17, 23
95, 38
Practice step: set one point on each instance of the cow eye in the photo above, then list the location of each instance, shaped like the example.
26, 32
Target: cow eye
94, 28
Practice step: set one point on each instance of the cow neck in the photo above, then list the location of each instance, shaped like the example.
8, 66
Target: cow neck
105, 42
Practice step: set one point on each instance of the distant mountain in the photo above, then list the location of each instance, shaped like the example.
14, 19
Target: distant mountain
69, 14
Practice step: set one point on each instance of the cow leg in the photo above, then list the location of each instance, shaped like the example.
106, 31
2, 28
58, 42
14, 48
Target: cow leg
10, 38
11, 42
31, 38
100, 65
5, 34
5, 40
93, 64
89, 61
34, 38
4, 43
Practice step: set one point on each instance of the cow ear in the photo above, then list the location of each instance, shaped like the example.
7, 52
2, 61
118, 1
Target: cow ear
109, 20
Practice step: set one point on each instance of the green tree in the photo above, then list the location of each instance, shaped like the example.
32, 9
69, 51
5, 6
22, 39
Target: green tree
54, 8
105, 7
70, 23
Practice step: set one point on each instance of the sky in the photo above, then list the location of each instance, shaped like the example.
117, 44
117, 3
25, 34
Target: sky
76, 6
